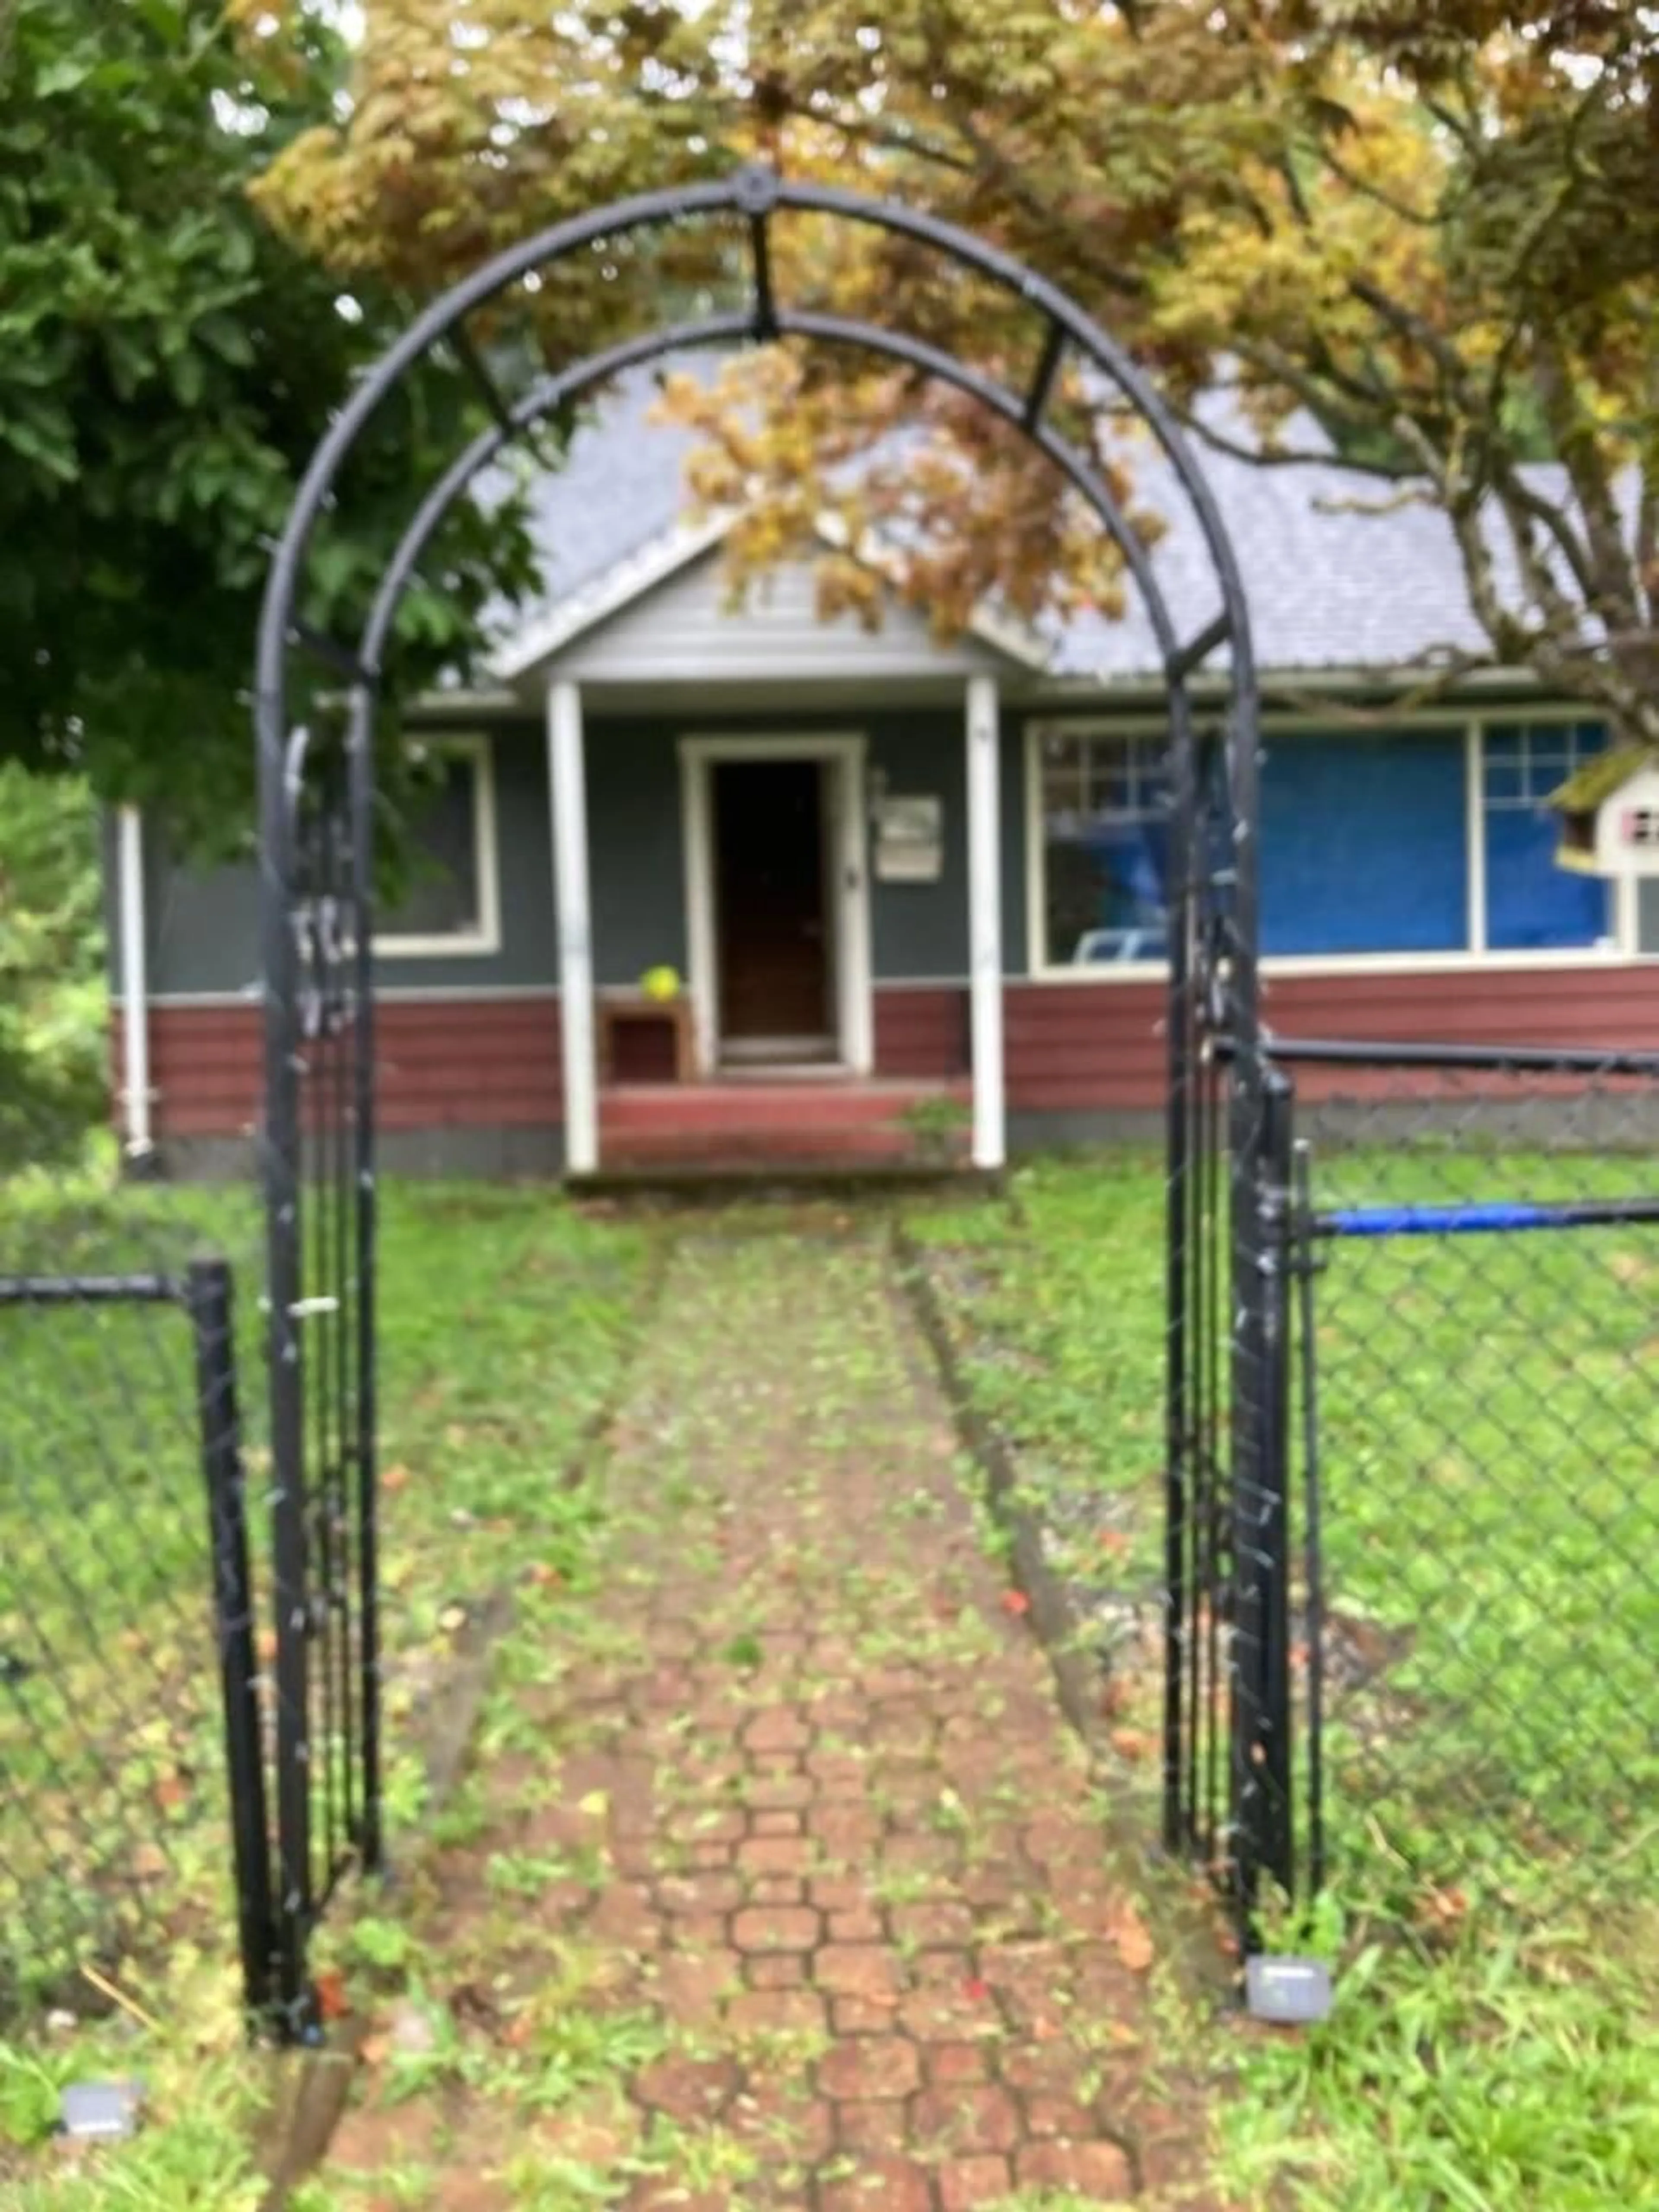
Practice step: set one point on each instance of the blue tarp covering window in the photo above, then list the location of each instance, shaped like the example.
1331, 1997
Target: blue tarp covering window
1364, 844
1106, 849
1532, 905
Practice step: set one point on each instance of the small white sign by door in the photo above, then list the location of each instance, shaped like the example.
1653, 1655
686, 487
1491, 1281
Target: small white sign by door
909, 840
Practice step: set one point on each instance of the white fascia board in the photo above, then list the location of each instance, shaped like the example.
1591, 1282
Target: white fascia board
665, 557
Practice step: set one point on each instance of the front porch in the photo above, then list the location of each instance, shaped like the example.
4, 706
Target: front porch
778, 1044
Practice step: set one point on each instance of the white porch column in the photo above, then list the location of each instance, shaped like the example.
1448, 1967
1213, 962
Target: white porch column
135, 984
568, 794
985, 922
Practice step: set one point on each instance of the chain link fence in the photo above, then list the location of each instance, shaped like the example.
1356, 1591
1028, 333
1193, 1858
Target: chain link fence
188, 1661
127, 1374
1473, 1454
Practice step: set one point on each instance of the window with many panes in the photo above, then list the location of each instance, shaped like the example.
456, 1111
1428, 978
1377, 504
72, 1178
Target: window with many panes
1103, 803
1532, 905
1367, 844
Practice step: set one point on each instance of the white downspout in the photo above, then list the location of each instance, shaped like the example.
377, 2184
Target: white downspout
134, 986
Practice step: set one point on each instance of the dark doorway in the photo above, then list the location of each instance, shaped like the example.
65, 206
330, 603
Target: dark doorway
772, 911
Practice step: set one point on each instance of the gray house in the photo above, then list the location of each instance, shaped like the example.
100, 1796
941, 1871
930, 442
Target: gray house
716, 884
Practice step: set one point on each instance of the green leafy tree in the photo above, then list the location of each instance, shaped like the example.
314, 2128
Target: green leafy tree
1428, 225
166, 364
53, 1003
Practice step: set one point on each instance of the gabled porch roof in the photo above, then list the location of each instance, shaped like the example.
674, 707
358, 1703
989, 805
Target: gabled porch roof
665, 618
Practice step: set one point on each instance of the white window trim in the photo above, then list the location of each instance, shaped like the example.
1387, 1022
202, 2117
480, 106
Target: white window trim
483, 937
1620, 950
855, 1017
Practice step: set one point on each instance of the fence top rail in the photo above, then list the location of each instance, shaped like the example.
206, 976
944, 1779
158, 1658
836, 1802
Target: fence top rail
1523, 1059
1486, 1218
90, 1290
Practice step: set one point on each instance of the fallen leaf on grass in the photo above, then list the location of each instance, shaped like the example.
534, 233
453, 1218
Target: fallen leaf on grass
1445, 1908
1133, 1941
332, 2003
394, 1478
541, 1574
1132, 1743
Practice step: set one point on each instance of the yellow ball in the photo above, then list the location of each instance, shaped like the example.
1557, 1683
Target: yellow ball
660, 983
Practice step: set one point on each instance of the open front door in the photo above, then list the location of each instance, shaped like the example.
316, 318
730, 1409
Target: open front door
773, 915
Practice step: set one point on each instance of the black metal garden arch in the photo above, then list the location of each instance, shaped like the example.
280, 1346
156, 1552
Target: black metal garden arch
316, 823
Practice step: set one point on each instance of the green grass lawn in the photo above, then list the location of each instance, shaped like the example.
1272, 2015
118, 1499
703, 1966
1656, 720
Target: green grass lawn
1492, 1493
1491, 1481
507, 1318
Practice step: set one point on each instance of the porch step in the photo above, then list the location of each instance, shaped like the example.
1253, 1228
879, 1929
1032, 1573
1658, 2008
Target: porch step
752, 1123
715, 1182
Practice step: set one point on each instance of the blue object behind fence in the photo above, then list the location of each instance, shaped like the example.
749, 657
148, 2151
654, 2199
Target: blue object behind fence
1486, 1218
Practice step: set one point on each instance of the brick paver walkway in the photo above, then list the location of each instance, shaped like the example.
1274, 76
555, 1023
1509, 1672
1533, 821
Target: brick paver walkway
796, 1813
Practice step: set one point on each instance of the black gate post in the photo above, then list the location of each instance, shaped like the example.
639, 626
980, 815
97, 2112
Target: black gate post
1262, 1706
1278, 1257
1182, 1224
360, 764
207, 1297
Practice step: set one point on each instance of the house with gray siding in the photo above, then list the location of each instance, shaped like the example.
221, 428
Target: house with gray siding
700, 882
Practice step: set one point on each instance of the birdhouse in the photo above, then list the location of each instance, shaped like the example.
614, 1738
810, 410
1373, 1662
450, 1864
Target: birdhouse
1609, 815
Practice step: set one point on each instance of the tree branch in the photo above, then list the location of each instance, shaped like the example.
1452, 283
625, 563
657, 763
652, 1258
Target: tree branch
1575, 438
1287, 456
888, 138
1325, 392
1374, 192
1407, 324
1429, 692
1012, 180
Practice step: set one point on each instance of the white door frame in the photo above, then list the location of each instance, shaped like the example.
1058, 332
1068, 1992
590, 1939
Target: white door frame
848, 901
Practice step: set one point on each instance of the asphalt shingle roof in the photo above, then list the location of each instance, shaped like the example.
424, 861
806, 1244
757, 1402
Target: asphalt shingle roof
1339, 572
